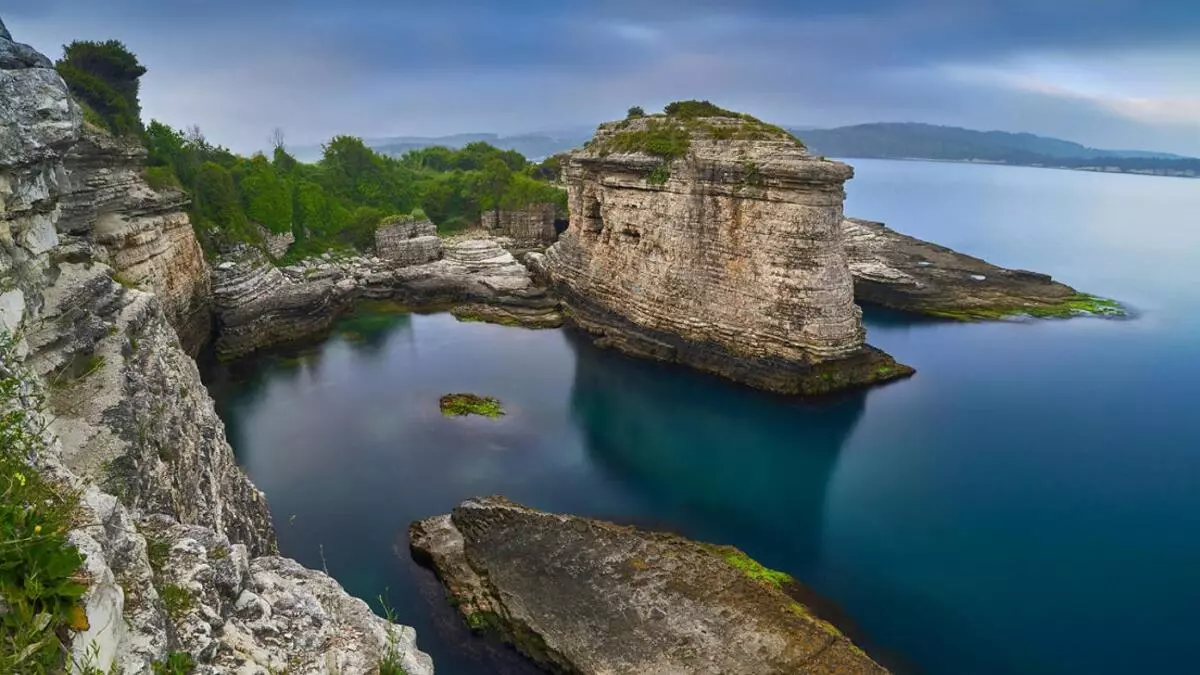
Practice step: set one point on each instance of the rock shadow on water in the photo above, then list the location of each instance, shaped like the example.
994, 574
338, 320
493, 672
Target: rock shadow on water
691, 442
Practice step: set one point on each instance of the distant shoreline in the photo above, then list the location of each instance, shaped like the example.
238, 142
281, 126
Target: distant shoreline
990, 162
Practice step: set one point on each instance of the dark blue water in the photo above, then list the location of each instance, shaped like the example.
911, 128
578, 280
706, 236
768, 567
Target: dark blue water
1028, 503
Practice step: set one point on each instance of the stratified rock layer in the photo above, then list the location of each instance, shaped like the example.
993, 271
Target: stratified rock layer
898, 271
144, 235
126, 423
732, 262
529, 227
588, 597
408, 241
260, 306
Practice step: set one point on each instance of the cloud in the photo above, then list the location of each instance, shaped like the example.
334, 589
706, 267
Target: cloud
1103, 72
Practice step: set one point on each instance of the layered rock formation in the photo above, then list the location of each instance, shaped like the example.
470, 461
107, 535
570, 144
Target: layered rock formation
408, 241
905, 273
727, 258
259, 305
589, 597
531, 227
143, 234
130, 427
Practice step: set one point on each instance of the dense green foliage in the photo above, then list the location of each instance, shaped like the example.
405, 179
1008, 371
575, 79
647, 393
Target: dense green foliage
40, 580
635, 111
340, 200
103, 77
927, 141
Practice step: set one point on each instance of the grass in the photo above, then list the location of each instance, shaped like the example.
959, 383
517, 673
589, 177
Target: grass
176, 599
660, 175
459, 405
40, 576
1080, 304
176, 663
751, 568
391, 661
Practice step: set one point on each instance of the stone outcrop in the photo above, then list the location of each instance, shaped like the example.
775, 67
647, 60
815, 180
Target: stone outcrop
589, 597
276, 245
901, 272
130, 427
259, 305
531, 227
408, 241
142, 234
728, 258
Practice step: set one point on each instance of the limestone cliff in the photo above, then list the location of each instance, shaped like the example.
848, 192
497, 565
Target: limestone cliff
142, 234
714, 242
259, 305
130, 427
531, 227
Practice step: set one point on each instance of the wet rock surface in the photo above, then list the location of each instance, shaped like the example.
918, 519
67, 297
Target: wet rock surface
585, 596
905, 273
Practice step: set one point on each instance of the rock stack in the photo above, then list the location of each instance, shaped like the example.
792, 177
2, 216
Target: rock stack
408, 241
714, 241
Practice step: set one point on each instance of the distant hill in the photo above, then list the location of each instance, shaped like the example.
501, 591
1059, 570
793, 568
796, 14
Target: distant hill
927, 141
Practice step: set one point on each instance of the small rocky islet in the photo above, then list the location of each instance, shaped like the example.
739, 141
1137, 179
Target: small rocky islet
698, 236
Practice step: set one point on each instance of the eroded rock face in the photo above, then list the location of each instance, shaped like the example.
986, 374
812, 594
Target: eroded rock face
584, 596
259, 305
144, 235
728, 259
408, 242
531, 227
898, 271
130, 427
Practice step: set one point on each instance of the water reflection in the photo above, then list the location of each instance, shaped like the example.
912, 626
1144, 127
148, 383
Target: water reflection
693, 444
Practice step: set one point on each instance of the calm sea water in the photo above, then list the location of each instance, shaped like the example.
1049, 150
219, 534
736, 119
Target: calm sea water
1028, 503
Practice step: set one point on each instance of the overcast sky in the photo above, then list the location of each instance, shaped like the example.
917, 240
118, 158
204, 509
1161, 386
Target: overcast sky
1109, 73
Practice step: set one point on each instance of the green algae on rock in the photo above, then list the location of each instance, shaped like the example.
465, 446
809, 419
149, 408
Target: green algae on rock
905, 273
461, 405
585, 596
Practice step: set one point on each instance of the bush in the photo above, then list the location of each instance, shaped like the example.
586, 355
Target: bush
635, 112
161, 178
40, 580
690, 109
104, 76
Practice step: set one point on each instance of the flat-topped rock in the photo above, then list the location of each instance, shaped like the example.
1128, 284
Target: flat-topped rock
714, 242
588, 597
901, 272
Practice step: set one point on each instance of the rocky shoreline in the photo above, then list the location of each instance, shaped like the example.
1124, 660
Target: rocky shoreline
901, 272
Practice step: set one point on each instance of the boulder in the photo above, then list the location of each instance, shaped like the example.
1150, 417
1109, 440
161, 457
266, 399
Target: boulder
588, 597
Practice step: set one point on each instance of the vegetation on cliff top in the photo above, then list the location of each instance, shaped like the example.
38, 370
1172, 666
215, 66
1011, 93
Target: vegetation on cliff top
103, 78
459, 405
40, 579
669, 135
338, 202
1080, 304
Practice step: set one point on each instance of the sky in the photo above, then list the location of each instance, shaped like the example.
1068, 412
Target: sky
1118, 74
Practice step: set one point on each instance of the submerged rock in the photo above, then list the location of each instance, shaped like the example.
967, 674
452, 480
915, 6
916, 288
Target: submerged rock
714, 242
901, 272
585, 596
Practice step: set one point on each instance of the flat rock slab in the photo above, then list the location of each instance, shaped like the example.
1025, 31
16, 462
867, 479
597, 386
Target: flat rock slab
585, 596
905, 273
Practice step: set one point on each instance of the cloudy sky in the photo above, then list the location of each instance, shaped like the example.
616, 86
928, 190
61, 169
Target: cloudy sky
1108, 73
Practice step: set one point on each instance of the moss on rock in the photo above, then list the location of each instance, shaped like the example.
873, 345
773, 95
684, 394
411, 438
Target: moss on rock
460, 405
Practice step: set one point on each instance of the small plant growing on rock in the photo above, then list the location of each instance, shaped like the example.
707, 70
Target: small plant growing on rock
390, 663
460, 405
660, 175
40, 579
176, 663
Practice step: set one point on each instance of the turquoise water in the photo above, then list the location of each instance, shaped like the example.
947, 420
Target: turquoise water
1028, 503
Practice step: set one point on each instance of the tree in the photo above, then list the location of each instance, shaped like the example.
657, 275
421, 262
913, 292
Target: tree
104, 78
277, 139
634, 112
267, 196
216, 203
493, 183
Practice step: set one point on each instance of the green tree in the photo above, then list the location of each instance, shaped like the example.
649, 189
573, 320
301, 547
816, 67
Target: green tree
267, 196
493, 183
634, 112
216, 203
104, 77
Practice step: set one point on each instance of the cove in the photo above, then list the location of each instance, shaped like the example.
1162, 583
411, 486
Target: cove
1028, 503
